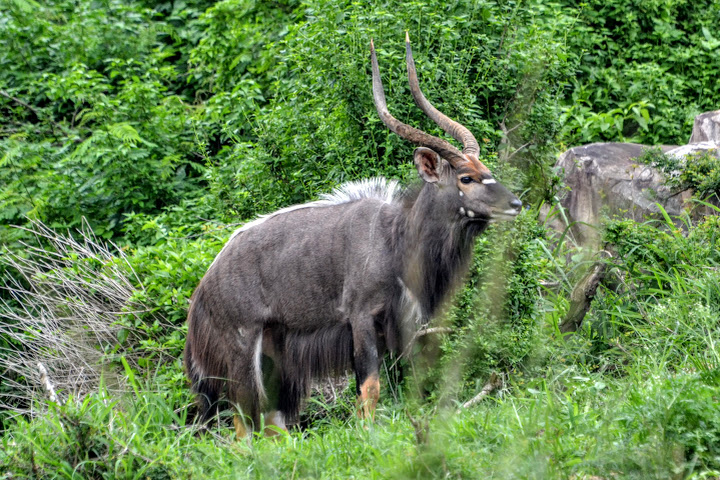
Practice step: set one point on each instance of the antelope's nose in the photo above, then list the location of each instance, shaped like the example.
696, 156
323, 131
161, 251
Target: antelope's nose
516, 203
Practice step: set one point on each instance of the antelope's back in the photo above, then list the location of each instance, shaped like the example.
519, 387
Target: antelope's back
305, 267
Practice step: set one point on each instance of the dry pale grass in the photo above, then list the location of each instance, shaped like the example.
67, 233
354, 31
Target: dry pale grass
68, 294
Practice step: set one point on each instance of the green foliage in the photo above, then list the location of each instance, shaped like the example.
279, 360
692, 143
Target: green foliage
699, 171
169, 272
644, 70
101, 436
567, 423
95, 120
667, 299
161, 122
234, 63
495, 318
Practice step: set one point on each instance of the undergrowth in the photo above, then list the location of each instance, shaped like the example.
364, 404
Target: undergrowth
631, 395
699, 170
165, 125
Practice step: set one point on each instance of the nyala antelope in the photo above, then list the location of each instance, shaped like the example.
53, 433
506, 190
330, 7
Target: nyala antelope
328, 286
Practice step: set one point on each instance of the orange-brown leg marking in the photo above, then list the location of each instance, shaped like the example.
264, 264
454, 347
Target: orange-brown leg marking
369, 396
240, 429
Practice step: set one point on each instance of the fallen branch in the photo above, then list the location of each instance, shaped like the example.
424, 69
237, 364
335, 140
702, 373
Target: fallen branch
421, 333
418, 334
45, 380
428, 331
492, 384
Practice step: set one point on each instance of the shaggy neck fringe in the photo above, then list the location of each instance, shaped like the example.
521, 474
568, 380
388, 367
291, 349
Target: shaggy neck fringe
439, 249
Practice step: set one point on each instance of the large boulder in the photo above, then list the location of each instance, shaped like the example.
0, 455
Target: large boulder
706, 128
606, 179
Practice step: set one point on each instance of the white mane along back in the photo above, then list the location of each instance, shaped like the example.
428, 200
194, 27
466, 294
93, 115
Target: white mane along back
377, 187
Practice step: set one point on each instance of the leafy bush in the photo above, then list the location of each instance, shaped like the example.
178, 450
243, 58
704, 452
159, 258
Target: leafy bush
699, 171
319, 127
169, 272
644, 70
667, 299
496, 317
96, 120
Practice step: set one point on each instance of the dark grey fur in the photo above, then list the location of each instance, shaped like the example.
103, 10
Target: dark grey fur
329, 286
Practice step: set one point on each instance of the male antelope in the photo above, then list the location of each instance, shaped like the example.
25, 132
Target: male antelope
319, 288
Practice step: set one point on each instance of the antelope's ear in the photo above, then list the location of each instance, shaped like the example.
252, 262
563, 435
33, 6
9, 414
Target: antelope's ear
427, 163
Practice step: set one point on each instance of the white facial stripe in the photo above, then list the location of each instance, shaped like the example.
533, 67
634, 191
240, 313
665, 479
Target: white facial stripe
471, 214
489, 181
462, 211
461, 193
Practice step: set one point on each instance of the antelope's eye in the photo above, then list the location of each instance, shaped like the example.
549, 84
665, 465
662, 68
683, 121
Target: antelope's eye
466, 179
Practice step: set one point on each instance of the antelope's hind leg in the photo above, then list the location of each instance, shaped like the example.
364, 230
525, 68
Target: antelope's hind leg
367, 366
245, 383
273, 418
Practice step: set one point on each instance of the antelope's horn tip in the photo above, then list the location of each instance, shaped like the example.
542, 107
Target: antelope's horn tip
372, 44
407, 36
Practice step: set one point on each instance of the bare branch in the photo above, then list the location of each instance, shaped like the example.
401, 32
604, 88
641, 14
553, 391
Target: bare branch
518, 150
421, 333
46, 383
37, 113
69, 297
492, 384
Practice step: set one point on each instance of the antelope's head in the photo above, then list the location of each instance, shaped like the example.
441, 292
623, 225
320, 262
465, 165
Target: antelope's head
460, 174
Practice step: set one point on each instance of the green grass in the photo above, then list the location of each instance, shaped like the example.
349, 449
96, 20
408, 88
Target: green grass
655, 420
570, 422
633, 394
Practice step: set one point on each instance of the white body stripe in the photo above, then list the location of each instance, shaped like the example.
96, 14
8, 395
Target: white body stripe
411, 314
257, 368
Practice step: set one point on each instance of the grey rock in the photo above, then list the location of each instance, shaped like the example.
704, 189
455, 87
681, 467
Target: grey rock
706, 128
693, 149
606, 179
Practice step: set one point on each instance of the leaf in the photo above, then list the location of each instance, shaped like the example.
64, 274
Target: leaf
640, 118
27, 6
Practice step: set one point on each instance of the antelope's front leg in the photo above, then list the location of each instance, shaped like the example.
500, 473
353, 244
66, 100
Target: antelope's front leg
365, 353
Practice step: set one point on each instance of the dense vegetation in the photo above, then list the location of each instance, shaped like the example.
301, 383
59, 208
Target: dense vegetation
135, 136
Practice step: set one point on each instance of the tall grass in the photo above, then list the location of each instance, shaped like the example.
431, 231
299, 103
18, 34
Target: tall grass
631, 395
69, 313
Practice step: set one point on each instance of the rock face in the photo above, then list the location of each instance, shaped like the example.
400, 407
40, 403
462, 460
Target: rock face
692, 149
706, 128
606, 179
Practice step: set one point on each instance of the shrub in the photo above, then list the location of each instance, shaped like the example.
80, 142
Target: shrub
644, 70
699, 171
496, 317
